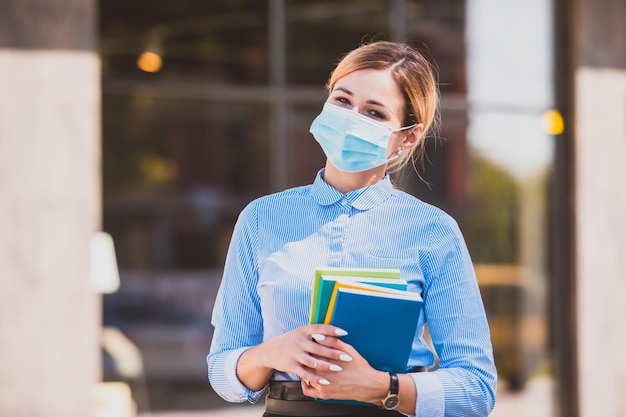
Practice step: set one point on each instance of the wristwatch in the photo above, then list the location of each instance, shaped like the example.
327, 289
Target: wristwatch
392, 400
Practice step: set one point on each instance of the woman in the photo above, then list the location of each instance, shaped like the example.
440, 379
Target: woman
382, 101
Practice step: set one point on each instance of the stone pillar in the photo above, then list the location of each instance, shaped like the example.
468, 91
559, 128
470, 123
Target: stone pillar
599, 81
49, 207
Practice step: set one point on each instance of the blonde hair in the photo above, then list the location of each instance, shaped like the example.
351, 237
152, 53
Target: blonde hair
414, 75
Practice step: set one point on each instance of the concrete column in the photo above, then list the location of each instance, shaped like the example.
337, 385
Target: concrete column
599, 78
49, 207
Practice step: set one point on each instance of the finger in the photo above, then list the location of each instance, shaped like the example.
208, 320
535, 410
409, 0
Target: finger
346, 351
318, 337
322, 365
308, 389
310, 362
325, 329
328, 350
313, 381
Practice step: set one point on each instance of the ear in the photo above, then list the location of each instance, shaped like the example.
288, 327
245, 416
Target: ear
413, 136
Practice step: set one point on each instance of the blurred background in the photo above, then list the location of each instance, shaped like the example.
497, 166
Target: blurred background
156, 122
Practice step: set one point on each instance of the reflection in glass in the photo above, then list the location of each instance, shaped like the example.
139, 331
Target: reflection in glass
175, 173
218, 41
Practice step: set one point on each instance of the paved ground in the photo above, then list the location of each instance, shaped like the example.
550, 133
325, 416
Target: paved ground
228, 411
536, 401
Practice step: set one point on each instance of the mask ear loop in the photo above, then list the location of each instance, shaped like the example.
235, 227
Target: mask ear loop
400, 151
398, 154
404, 128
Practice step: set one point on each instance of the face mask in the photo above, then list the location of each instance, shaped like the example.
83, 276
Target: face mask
352, 142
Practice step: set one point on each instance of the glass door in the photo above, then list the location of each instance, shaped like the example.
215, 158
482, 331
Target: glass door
510, 158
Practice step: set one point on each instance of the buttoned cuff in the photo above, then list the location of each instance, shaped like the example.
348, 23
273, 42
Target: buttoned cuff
237, 392
430, 396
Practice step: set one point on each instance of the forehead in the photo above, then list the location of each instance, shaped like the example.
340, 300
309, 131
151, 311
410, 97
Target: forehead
373, 85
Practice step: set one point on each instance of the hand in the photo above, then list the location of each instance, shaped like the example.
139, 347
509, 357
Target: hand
300, 352
356, 381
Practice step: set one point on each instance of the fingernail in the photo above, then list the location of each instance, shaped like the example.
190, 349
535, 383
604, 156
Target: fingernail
340, 332
324, 382
335, 368
345, 358
318, 337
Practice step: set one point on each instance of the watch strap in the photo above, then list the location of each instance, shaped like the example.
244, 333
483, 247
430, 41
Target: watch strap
394, 385
392, 400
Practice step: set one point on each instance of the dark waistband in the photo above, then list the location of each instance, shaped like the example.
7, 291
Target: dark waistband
287, 391
285, 398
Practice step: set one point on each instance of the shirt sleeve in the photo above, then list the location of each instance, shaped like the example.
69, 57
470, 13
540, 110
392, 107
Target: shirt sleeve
236, 317
465, 382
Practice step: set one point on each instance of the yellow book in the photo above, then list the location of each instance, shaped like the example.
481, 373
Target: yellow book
361, 287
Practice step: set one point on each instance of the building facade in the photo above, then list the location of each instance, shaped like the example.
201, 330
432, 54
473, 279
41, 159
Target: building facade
158, 121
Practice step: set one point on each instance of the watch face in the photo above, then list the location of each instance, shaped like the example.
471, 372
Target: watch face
391, 402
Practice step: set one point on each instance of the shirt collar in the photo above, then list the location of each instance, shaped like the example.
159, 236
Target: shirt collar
362, 199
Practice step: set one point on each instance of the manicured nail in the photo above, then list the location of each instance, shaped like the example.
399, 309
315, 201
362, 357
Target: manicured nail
324, 382
318, 337
340, 332
345, 358
335, 368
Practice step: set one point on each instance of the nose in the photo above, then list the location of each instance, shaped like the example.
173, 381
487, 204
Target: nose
355, 108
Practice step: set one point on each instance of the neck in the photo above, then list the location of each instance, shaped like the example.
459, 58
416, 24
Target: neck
344, 182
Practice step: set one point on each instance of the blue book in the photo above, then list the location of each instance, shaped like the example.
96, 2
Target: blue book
381, 325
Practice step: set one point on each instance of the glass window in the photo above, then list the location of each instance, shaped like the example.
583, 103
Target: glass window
186, 124
222, 42
176, 173
319, 33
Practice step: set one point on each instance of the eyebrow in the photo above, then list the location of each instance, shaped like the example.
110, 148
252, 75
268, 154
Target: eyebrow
345, 90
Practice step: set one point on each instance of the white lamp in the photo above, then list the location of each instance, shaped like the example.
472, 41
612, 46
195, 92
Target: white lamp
105, 276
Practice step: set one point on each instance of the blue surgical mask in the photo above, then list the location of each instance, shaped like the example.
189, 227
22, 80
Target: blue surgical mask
351, 141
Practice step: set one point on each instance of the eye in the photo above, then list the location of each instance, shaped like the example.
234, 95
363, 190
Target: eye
374, 114
344, 101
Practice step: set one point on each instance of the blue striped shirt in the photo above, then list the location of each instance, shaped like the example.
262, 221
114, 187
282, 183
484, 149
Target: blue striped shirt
280, 239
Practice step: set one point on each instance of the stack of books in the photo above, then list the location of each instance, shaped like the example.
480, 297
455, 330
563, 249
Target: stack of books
374, 306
